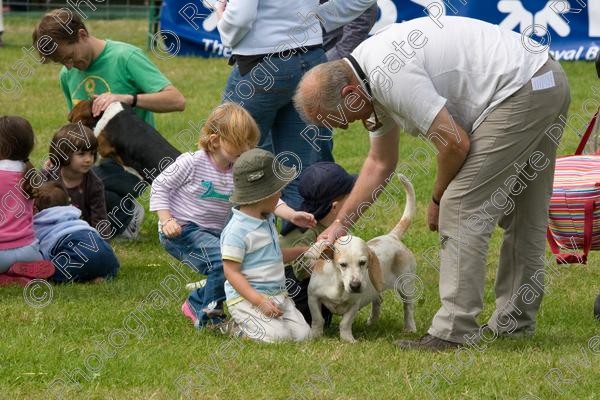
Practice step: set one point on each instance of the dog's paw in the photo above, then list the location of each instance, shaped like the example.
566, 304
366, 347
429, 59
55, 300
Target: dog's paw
348, 338
316, 333
372, 320
410, 328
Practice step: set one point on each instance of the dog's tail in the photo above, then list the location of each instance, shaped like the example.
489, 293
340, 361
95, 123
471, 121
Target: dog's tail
409, 208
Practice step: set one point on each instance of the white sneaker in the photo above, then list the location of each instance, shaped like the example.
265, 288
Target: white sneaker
196, 285
132, 231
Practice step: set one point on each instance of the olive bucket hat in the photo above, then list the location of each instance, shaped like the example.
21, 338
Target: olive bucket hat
258, 174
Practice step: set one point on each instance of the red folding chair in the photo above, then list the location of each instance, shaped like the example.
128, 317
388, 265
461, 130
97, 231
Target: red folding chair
597, 305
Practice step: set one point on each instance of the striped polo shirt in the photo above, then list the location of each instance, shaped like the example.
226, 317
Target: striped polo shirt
254, 243
194, 190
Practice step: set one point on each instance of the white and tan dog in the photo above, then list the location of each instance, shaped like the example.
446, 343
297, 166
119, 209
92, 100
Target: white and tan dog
356, 273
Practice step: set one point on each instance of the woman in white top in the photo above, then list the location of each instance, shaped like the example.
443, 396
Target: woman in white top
273, 44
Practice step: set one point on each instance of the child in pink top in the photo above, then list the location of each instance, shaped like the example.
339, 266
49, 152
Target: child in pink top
17, 238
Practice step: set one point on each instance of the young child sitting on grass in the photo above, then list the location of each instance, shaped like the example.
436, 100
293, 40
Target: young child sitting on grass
252, 259
73, 151
76, 249
20, 258
191, 198
324, 188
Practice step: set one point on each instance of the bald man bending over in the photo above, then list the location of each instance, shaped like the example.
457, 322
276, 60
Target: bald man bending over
493, 104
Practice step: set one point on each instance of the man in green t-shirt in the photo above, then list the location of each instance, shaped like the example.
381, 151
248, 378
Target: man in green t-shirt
107, 71
103, 70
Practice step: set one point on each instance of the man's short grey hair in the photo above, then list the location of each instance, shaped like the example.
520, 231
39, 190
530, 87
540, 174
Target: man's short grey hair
320, 90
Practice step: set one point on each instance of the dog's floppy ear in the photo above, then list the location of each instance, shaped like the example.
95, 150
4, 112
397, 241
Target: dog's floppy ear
83, 112
375, 272
327, 253
321, 250
73, 117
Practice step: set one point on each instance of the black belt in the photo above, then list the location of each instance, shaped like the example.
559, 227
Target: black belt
246, 63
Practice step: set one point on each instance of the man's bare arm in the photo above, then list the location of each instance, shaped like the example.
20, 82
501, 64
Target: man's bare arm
379, 165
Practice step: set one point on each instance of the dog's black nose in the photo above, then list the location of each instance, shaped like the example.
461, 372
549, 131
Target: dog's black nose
355, 286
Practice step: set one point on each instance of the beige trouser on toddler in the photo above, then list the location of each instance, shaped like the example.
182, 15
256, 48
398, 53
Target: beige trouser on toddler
506, 180
255, 325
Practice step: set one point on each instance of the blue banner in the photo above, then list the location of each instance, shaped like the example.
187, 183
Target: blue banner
571, 27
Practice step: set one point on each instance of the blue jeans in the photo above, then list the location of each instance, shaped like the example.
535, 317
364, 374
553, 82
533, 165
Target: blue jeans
200, 249
266, 92
8, 257
83, 256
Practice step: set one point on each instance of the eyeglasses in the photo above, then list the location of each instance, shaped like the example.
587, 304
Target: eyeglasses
372, 123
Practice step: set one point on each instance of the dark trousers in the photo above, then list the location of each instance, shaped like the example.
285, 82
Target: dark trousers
298, 291
119, 192
83, 256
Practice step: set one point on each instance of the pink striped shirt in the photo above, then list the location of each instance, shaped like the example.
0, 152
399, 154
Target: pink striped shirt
16, 208
194, 190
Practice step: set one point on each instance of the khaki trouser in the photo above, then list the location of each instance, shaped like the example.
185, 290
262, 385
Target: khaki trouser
255, 325
506, 180
1, 18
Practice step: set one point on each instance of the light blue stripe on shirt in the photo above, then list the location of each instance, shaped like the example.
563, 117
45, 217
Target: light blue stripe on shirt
254, 243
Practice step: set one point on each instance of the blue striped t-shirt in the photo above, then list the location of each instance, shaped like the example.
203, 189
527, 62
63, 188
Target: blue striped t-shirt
253, 243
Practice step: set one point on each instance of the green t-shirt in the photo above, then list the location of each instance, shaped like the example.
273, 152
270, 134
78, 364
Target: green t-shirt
296, 238
120, 69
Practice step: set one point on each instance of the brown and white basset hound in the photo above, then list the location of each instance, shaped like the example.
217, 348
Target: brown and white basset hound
353, 273
127, 138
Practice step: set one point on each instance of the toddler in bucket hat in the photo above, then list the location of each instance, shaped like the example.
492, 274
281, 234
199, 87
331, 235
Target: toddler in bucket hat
253, 261
258, 175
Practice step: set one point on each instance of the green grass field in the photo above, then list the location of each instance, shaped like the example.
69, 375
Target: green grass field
128, 340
